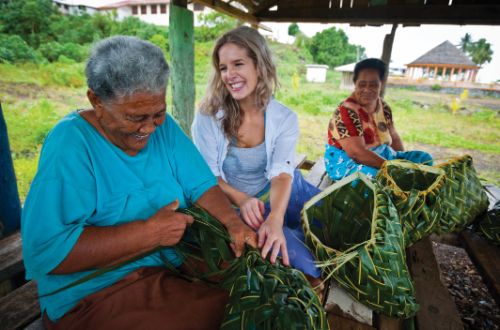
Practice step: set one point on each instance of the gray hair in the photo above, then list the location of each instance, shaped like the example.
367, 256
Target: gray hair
121, 65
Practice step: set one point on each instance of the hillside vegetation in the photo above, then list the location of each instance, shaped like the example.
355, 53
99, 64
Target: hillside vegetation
36, 93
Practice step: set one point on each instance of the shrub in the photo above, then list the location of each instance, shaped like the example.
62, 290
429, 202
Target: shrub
14, 49
436, 87
53, 50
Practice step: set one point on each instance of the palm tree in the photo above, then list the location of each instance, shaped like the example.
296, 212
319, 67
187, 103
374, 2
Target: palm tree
466, 43
481, 52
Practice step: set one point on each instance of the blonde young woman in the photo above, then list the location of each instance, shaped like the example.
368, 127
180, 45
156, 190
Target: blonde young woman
248, 140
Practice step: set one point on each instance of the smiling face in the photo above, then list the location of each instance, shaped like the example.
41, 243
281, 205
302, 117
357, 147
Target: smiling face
367, 87
129, 121
238, 72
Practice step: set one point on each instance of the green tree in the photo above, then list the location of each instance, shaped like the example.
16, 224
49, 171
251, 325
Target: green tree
481, 52
29, 19
332, 47
293, 29
466, 42
213, 25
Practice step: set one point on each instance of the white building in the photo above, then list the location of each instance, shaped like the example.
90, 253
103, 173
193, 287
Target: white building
155, 12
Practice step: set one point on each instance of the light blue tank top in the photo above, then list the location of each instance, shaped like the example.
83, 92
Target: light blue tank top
244, 168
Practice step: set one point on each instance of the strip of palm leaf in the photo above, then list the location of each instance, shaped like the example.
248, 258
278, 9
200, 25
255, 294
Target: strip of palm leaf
353, 229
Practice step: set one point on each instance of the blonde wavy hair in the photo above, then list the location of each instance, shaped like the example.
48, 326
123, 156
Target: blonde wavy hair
218, 97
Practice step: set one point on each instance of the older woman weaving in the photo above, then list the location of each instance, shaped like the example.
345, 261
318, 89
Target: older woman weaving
108, 185
361, 133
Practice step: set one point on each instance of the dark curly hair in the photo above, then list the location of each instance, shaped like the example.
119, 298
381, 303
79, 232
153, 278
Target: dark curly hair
370, 63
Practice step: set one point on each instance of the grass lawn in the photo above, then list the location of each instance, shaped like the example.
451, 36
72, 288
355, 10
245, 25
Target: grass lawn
34, 98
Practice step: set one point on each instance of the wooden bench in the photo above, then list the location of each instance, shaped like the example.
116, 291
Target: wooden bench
437, 309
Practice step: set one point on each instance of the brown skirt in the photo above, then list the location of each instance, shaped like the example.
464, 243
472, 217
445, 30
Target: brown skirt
148, 298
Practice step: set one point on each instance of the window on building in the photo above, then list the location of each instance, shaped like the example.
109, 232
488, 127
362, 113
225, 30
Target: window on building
153, 9
134, 10
144, 9
163, 9
198, 7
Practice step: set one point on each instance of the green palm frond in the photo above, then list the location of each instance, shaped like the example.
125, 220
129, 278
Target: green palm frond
262, 295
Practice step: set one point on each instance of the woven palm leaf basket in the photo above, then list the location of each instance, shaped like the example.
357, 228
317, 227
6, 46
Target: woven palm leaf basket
463, 196
262, 295
353, 230
415, 190
488, 225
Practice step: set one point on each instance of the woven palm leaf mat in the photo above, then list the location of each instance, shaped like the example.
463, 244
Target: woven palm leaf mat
353, 229
262, 295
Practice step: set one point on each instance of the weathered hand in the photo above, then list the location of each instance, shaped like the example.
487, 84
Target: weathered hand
169, 226
252, 211
241, 234
272, 239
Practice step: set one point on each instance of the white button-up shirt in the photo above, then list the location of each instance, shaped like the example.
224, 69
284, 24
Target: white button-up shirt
281, 135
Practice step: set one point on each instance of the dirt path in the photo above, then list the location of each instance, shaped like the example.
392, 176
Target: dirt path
482, 161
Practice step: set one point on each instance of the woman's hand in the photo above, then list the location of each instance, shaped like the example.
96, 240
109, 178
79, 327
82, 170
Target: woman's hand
169, 226
252, 211
272, 239
241, 234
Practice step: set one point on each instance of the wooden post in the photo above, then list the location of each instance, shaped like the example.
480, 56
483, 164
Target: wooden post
181, 33
451, 74
386, 54
435, 73
474, 75
10, 207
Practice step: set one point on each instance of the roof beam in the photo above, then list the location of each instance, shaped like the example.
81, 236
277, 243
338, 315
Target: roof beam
227, 9
408, 14
264, 5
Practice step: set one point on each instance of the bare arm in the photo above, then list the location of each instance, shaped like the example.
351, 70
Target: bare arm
356, 149
397, 143
216, 203
99, 247
271, 237
235, 196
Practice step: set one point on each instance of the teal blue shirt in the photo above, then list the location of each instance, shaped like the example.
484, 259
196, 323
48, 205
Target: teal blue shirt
84, 180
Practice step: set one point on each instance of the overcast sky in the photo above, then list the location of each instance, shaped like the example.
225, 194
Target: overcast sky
410, 42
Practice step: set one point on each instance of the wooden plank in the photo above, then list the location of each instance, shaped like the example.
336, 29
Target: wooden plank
10, 207
181, 35
339, 302
486, 258
299, 160
446, 238
437, 309
11, 258
338, 322
19, 308
316, 173
388, 323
